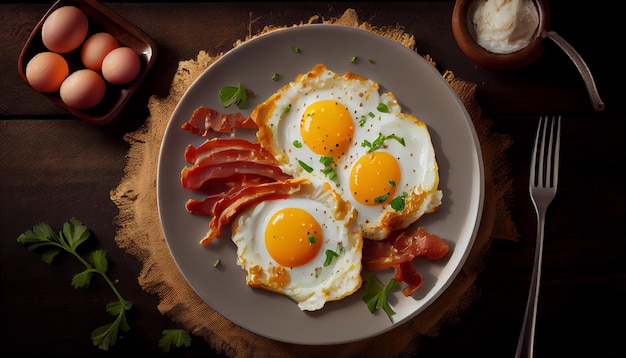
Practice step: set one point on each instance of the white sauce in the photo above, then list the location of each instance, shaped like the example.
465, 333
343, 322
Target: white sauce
503, 26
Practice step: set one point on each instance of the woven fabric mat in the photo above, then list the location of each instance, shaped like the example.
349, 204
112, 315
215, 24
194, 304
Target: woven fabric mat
138, 224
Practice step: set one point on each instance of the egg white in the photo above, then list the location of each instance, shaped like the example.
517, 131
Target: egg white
279, 117
311, 284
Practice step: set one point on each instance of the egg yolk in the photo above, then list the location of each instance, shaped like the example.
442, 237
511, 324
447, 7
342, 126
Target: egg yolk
374, 178
293, 237
327, 128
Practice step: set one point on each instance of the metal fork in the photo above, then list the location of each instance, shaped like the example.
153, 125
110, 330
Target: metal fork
544, 173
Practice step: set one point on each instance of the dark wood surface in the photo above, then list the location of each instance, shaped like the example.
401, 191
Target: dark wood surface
54, 166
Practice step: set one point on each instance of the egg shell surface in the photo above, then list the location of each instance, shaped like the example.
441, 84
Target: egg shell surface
83, 89
65, 29
46, 71
121, 66
95, 49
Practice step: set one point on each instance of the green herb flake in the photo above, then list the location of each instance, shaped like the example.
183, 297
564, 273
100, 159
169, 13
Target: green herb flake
378, 142
217, 263
330, 255
371, 114
362, 121
295, 49
304, 166
392, 183
331, 173
288, 108
398, 203
297, 144
327, 160
382, 108
381, 199
353, 59
275, 77
372, 61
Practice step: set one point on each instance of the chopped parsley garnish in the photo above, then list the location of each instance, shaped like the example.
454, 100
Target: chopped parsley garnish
234, 95
381, 199
288, 108
304, 166
329, 167
275, 77
312, 239
382, 108
362, 121
392, 183
375, 294
330, 255
372, 61
297, 144
295, 49
378, 142
353, 59
398, 203
217, 262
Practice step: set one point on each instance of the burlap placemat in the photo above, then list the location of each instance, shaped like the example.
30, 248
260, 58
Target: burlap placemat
138, 232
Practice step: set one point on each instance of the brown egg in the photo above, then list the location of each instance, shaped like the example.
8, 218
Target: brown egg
121, 66
46, 71
83, 89
65, 29
95, 49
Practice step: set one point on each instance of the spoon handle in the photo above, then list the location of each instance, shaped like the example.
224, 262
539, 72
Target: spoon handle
596, 101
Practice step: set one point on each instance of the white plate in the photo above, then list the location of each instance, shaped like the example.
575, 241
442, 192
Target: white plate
419, 88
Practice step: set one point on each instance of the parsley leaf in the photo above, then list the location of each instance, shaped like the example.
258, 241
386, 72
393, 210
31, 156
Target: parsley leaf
74, 233
177, 337
238, 96
398, 203
375, 294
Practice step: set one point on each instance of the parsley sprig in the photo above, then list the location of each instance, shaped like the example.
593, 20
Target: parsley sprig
73, 234
380, 140
375, 293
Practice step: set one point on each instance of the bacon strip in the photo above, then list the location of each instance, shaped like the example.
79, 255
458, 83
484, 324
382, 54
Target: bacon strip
398, 252
229, 206
213, 146
233, 174
203, 120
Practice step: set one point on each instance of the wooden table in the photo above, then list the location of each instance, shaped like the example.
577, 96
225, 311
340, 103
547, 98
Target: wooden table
54, 166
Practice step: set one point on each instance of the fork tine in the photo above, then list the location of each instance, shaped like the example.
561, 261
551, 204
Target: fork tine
557, 148
545, 157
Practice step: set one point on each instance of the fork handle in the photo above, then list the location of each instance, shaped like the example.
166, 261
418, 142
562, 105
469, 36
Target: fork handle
525, 345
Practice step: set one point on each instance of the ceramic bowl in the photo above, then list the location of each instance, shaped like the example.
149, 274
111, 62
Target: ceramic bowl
462, 28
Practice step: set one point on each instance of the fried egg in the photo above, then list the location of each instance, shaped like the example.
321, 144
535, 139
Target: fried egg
306, 247
340, 129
